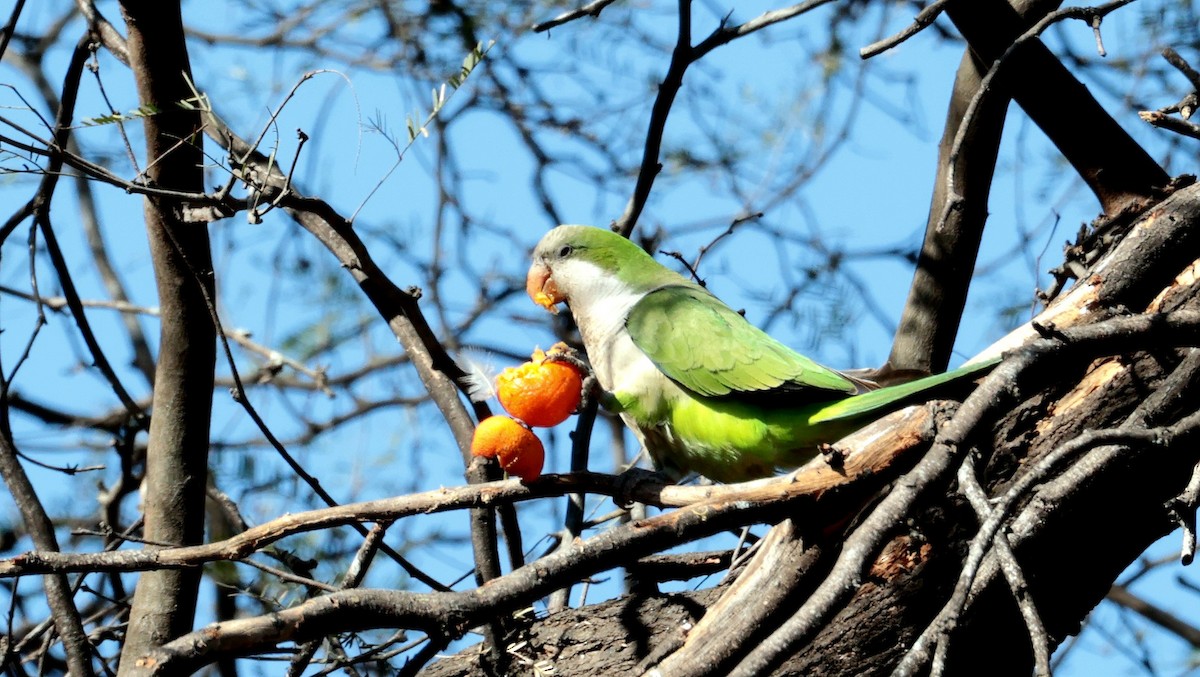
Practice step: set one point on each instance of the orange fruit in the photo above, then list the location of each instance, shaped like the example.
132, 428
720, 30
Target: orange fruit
526, 461
540, 392
518, 450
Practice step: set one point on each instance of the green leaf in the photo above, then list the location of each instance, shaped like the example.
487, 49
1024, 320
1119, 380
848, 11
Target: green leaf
137, 113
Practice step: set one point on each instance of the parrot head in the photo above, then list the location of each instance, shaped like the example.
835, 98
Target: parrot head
579, 265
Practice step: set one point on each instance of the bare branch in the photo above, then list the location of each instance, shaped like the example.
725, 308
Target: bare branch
66, 618
682, 57
591, 9
928, 14
1164, 121
1159, 616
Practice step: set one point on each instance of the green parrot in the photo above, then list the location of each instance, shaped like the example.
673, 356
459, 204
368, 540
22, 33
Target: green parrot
702, 388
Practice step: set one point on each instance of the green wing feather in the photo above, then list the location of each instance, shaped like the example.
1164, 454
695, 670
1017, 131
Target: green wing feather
705, 346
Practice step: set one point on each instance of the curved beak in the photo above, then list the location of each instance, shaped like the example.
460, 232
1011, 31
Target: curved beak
541, 287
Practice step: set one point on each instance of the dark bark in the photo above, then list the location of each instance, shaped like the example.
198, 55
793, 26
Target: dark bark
938, 295
177, 456
1119, 171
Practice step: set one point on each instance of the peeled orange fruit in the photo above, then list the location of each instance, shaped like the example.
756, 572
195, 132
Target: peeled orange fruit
518, 450
540, 392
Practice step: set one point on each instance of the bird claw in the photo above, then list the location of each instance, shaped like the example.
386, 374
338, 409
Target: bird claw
834, 457
561, 352
632, 478
593, 390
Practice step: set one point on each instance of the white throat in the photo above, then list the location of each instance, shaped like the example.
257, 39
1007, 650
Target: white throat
600, 303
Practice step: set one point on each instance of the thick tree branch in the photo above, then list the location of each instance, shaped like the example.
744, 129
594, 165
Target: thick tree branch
1119, 172
957, 212
177, 455
938, 294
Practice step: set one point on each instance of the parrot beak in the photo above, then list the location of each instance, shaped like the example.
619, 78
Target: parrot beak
541, 287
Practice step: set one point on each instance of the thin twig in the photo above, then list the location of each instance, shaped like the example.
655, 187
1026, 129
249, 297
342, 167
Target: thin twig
289, 577
240, 336
352, 578
591, 9
683, 56
923, 19
704, 249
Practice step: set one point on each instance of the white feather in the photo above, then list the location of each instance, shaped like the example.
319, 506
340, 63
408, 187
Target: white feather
480, 378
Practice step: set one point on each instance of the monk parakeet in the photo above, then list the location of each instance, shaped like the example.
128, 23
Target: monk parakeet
703, 389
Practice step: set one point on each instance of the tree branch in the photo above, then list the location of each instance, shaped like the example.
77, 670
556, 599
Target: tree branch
1155, 614
591, 9
453, 613
685, 55
66, 616
1118, 171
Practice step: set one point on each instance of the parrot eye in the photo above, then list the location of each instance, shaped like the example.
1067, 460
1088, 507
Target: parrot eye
565, 251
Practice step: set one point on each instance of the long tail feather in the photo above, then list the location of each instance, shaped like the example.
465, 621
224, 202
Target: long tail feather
898, 395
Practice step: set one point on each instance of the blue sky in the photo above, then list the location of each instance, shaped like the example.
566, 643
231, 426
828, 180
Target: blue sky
872, 194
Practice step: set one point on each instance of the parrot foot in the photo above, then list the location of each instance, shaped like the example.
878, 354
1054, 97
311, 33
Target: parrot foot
593, 389
834, 457
628, 483
561, 352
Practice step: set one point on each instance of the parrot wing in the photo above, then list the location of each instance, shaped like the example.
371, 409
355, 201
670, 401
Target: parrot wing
708, 348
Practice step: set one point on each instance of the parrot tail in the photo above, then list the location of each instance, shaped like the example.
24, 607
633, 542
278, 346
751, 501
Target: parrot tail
898, 396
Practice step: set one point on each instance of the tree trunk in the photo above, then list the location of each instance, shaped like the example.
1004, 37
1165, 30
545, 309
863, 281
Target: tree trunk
177, 455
